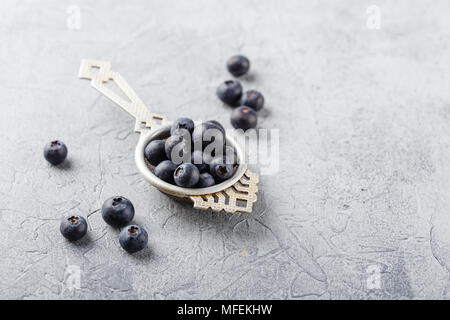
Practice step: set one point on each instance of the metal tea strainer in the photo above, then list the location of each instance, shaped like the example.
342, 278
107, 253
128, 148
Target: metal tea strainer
236, 194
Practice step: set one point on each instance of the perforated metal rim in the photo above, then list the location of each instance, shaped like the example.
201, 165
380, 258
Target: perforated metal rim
177, 191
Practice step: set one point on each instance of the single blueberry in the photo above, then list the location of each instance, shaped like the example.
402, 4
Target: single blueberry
178, 146
230, 92
55, 152
165, 170
186, 175
220, 170
253, 99
207, 133
133, 238
198, 161
208, 157
244, 118
180, 132
117, 211
217, 124
73, 228
206, 180
230, 155
182, 123
155, 152
238, 65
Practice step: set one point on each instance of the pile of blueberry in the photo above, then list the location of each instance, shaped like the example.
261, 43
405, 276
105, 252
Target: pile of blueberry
246, 104
117, 212
193, 156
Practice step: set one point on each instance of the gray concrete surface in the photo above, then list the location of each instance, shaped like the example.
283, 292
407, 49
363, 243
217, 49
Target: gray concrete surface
360, 208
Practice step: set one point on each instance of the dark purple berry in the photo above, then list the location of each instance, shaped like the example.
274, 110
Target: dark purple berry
253, 99
238, 65
206, 180
206, 133
217, 124
73, 228
133, 238
186, 175
230, 155
178, 146
198, 161
155, 152
55, 152
220, 170
117, 211
230, 92
165, 170
182, 123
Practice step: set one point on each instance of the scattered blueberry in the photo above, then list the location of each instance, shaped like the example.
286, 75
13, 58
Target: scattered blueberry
186, 175
238, 65
206, 133
165, 170
244, 118
253, 99
197, 160
182, 123
178, 146
155, 152
117, 211
230, 92
73, 228
55, 152
206, 180
133, 238
220, 170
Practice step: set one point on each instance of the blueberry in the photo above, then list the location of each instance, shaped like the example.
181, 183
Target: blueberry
197, 160
238, 65
207, 158
155, 152
186, 175
253, 99
217, 124
165, 170
230, 155
220, 170
182, 123
207, 132
206, 180
117, 211
178, 146
180, 132
244, 118
133, 238
230, 92
55, 152
73, 228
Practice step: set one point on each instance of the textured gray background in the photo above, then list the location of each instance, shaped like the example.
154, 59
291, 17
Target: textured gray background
364, 119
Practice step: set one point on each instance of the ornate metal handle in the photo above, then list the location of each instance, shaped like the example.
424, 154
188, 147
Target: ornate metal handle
99, 72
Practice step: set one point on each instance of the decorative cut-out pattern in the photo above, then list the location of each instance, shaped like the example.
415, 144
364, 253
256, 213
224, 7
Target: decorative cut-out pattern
237, 198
